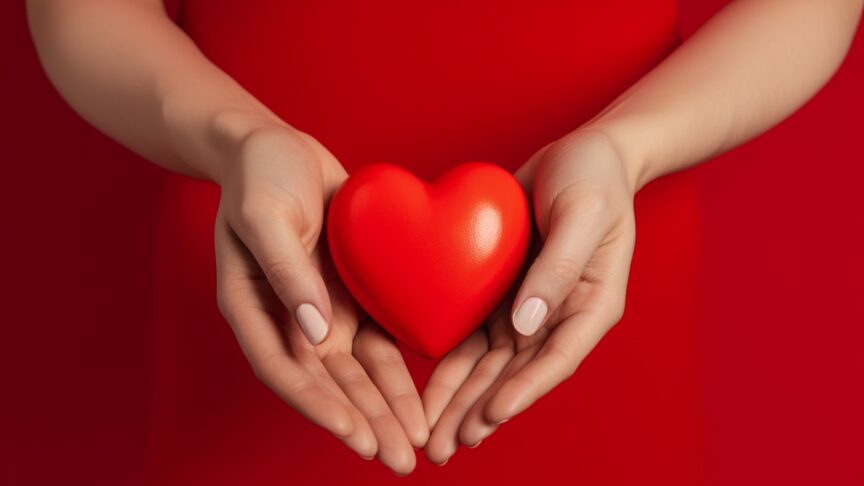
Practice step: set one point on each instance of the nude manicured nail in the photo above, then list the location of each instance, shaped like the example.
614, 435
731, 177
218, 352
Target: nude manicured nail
312, 323
530, 315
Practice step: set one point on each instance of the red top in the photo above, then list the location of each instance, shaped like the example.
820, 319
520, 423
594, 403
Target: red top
428, 85
431, 84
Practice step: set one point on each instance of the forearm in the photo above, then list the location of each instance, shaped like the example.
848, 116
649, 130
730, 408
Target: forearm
748, 68
130, 71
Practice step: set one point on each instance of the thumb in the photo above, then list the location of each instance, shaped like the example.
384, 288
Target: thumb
574, 235
293, 275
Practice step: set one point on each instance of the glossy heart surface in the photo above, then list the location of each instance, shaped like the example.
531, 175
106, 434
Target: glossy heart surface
429, 262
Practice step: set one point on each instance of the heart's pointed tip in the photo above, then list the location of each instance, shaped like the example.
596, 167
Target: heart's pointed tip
432, 355
427, 351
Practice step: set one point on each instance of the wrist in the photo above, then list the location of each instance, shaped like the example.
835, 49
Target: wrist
228, 131
204, 139
634, 156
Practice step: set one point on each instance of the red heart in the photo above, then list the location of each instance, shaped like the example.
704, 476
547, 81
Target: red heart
429, 262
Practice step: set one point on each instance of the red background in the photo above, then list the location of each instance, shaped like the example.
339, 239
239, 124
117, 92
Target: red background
783, 341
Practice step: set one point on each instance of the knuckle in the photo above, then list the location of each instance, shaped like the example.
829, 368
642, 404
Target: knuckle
437, 384
403, 396
570, 369
568, 359
252, 213
222, 302
616, 312
281, 274
560, 206
378, 412
489, 369
387, 357
471, 349
382, 354
460, 402
564, 270
268, 371
257, 213
570, 207
595, 206
226, 301
260, 375
352, 378
483, 371
261, 370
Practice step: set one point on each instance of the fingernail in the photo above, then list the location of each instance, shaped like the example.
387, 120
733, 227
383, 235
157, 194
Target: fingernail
476, 445
443, 463
501, 422
312, 323
529, 316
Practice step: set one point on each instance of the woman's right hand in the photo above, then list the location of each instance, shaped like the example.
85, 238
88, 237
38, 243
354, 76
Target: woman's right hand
297, 325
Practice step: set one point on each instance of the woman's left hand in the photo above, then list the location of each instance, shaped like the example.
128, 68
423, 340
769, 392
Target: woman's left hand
572, 294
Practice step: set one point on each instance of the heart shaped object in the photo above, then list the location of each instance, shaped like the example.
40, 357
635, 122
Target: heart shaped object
429, 262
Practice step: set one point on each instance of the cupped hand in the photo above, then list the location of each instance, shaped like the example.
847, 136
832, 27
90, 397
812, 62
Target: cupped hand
296, 324
573, 292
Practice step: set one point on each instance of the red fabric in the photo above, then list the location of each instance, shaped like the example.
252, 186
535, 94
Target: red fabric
428, 86
431, 84
739, 363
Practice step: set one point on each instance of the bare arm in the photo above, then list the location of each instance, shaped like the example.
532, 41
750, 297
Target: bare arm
748, 68
130, 71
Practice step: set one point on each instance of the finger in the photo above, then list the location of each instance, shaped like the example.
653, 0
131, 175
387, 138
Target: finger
556, 361
394, 448
475, 427
319, 403
378, 354
443, 442
362, 439
263, 346
245, 306
345, 325
450, 373
572, 340
290, 269
560, 355
576, 230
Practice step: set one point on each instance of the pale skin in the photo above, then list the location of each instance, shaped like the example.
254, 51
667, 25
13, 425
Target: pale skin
131, 72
